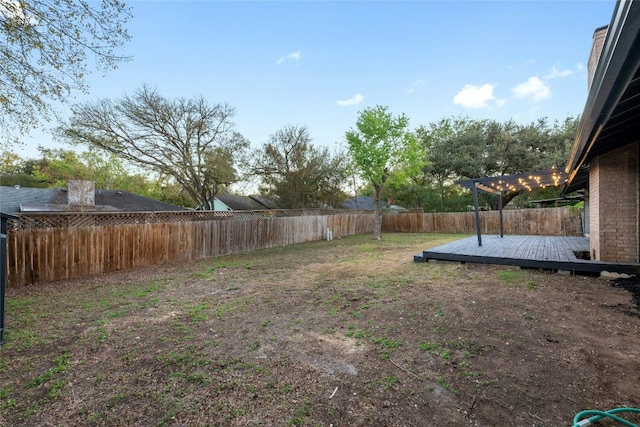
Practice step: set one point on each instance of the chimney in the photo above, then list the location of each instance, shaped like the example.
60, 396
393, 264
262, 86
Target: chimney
599, 36
81, 194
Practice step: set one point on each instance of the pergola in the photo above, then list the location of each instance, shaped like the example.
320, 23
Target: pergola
515, 182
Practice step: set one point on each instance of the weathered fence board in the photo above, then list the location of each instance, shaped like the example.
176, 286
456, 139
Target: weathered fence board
45, 248
46, 254
541, 222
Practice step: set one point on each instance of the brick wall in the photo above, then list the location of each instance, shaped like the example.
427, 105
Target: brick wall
594, 210
613, 191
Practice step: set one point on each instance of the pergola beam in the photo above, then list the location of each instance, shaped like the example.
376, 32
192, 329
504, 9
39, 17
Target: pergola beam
515, 182
520, 181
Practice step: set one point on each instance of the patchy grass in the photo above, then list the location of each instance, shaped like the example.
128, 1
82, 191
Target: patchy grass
346, 332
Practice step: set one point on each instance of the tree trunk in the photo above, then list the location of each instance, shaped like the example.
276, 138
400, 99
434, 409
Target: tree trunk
506, 198
377, 226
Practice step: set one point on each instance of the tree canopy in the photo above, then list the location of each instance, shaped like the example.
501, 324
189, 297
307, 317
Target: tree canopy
44, 45
55, 167
190, 151
189, 140
298, 173
383, 149
460, 147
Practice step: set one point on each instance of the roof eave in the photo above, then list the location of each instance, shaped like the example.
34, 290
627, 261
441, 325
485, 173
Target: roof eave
614, 72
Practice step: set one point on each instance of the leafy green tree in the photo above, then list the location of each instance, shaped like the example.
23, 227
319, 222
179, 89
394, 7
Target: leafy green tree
331, 192
295, 171
23, 180
218, 171
10, 163
14, 170
560, 139
110, 172
464, 148
165, 189
383, 149
188, 140
441, 158
48, 47
58, 166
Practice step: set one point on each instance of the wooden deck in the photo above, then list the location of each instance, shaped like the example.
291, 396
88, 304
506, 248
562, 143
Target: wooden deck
543, 252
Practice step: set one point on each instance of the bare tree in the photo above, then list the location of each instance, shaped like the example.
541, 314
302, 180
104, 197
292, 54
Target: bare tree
300, 174
187, 139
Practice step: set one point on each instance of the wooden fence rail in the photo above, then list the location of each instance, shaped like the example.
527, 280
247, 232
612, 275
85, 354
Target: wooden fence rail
540, 222
42, 254
43, 248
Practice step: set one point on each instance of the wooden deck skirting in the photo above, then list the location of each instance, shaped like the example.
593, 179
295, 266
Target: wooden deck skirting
542, 252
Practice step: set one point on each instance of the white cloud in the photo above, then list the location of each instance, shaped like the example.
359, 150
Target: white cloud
354, 100
534, 88
556, 73
416, 85
293, 56
475, 97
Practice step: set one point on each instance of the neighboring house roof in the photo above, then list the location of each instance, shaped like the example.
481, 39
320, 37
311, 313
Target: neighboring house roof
125, 201
19, 199
361, 203
247, 203
611, 116
269, 202
12, 197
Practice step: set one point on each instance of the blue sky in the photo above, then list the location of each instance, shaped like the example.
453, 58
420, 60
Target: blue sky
317, 64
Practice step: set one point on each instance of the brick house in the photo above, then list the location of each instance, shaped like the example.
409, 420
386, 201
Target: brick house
605, 157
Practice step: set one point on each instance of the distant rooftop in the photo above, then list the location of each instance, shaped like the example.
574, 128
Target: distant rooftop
24, 199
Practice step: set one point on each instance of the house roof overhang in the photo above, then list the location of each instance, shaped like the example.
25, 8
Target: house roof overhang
516, 182
7, 216
611, 116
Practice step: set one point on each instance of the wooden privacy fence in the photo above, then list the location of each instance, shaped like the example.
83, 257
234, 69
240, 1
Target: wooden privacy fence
541, 222
95, 243
49, 247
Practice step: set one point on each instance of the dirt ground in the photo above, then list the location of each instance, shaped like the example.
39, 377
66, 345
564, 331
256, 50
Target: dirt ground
343, 333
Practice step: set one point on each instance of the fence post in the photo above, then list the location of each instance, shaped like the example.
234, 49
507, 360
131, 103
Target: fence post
3, 268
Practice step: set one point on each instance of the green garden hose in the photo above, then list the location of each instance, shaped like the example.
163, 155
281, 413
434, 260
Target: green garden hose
595, 416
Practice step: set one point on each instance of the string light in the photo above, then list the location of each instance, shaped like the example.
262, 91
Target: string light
519, 182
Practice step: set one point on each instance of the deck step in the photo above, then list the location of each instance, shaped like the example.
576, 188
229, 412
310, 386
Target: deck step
419, 258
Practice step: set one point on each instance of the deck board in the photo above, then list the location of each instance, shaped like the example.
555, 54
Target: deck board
545, 252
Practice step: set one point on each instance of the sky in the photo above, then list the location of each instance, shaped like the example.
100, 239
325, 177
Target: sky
320, 63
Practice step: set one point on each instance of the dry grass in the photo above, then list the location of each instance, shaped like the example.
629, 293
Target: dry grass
348, 332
